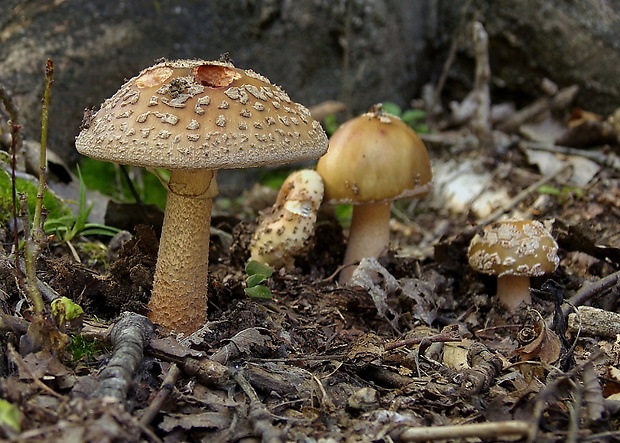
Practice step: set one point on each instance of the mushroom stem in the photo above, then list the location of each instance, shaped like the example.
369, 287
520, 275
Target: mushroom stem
513, 290
369, 235
179, 297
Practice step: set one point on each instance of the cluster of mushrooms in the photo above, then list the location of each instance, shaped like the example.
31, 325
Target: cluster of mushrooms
194, 117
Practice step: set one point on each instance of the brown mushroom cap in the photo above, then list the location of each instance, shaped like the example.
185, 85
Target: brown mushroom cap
373, 158
195, 114
517, 247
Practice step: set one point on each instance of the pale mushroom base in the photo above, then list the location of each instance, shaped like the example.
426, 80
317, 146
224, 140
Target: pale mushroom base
369, 235
513, 290
179, 297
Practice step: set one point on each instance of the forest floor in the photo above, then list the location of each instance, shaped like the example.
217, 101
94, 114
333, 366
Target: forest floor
424, 353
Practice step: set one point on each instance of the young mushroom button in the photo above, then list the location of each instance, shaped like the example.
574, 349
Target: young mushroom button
284, 230
514, 251
195, 117
373, 159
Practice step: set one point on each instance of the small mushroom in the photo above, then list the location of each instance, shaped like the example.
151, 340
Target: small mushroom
284, 230
514, 251
373, 159
195, 117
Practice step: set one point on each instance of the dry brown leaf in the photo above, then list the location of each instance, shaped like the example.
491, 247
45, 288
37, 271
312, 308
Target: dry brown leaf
546, 346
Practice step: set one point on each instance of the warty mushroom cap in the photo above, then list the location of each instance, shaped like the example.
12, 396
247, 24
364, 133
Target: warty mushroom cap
284, 229
375, 157
515, 247
195, 114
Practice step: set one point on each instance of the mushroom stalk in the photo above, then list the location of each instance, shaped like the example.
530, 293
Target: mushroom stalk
179, 297
513, 290
369, 235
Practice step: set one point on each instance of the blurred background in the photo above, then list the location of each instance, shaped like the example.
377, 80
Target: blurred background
358, 52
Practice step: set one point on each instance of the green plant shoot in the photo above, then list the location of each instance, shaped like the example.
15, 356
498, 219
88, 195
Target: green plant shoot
258, 273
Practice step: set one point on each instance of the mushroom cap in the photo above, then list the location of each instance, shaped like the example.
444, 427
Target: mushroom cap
515, 247
196, 114
373, 158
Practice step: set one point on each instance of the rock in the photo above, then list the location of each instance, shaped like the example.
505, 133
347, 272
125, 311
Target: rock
567, 42
299, 45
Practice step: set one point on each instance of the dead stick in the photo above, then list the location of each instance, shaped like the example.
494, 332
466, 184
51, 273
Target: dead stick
589, 290
519, 198
560, 100
442, 337
259, 415
482, 117
473, 430
586, 292
25, 370
164, 392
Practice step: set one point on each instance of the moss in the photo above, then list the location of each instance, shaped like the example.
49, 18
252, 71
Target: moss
54, 206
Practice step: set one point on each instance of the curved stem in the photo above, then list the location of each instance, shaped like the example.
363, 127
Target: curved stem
369, 235
179, 296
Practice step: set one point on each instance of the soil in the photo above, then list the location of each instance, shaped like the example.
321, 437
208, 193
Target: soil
427, 346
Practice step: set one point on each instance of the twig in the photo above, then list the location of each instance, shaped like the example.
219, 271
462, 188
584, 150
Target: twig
441, 337
519, 198
589, 290
259, 415
23, 368
482, 96
449, 60
608, 159
560, 100
167, 387
129, 336
14, 149
483, 431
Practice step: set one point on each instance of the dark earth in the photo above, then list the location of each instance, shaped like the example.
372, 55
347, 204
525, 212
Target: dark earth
325, 362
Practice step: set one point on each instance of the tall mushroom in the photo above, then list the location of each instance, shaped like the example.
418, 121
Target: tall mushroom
194, 117
373, 159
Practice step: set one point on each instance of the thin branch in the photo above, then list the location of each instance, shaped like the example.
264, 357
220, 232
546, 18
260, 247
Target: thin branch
513, 202
485, 431
167, 387
259, 415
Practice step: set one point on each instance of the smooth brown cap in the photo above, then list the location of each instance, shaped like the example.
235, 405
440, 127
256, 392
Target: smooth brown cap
195, 114
516, 247
375, 157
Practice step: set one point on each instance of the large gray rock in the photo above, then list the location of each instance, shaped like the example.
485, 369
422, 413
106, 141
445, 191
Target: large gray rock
299, 44
569, 42
394, 47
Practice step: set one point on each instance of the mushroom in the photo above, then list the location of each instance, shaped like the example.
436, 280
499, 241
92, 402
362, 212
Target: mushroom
373, 159
194, 117
514, 251
284, 230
